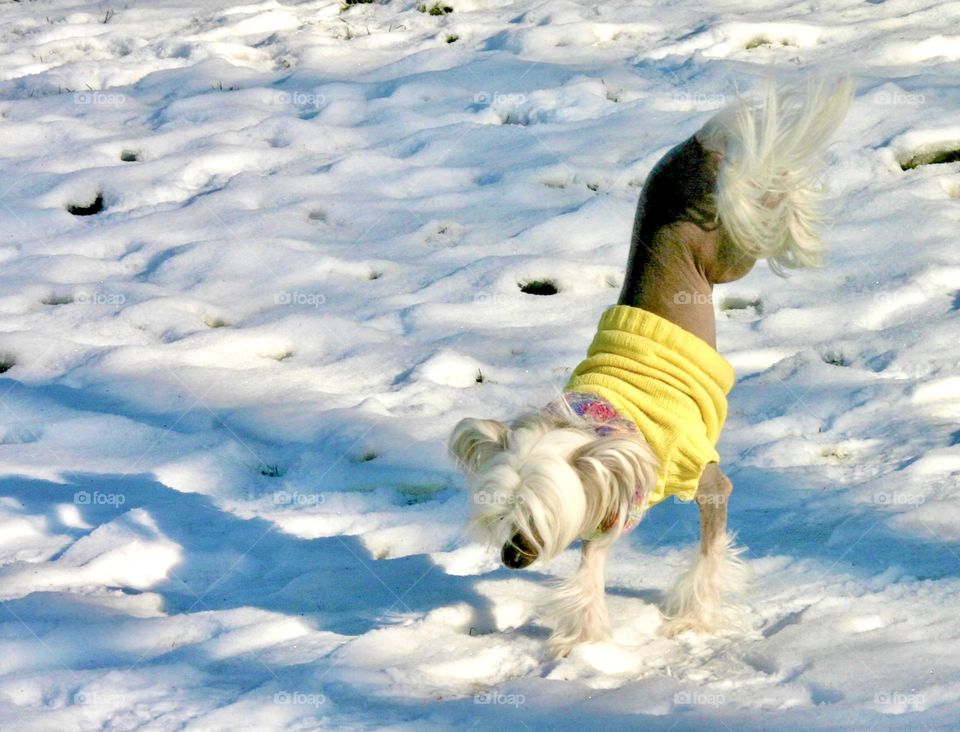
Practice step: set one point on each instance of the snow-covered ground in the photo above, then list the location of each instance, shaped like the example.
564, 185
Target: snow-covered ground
224, 498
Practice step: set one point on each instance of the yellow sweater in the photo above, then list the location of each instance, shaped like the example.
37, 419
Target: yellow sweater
668, 382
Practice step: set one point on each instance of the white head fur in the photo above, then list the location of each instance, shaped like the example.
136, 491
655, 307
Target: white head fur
548, 484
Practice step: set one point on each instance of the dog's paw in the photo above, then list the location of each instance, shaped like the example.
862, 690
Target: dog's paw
700, 599
562, 642
706, 620
561, 649
689, 623
672, 627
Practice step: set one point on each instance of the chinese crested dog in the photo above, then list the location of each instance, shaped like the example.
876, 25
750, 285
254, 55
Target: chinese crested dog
639, 420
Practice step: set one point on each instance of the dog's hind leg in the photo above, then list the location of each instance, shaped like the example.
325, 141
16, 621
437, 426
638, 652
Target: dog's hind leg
699, 601
579, 608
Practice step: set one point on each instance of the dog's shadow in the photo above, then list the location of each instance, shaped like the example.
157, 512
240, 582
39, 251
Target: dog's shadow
227, 561
648, 596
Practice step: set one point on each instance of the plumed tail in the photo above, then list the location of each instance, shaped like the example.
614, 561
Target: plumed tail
768, 189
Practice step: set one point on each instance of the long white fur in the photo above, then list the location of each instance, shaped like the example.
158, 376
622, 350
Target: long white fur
555, 484
558, 483
768, 188
527, 481
578, 608
702, 599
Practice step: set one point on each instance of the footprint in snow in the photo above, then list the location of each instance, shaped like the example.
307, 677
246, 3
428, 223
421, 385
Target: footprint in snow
87, 209
736, 307
57, 299
940, 154
539, 287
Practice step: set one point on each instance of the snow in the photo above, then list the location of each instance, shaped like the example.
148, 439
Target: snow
224, 496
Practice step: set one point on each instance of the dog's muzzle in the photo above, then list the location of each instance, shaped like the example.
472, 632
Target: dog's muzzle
518, 553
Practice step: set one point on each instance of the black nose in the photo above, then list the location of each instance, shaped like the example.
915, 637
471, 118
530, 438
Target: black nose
517, 553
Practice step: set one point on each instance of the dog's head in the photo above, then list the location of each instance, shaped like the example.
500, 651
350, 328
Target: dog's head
536, 487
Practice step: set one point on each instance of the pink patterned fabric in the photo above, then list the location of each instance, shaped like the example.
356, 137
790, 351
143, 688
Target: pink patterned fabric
599, 414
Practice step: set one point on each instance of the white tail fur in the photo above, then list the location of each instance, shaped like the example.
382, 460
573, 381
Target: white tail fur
768, 189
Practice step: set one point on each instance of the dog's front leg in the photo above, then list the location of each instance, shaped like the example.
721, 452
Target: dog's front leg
579, 608
700, 599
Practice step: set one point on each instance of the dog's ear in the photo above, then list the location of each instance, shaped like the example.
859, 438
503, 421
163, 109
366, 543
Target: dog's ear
619, 462
474, 441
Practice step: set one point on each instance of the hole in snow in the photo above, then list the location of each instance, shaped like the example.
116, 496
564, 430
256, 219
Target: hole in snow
940, 156
271, 471
834, 358
838, 453
734, 302
538, 287
211, 321
87, 209
7, 362
435, 9
278, 356
557, 182
764, 41
130, 156
515, 117
414, 493
57, 300
758, 42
